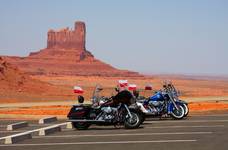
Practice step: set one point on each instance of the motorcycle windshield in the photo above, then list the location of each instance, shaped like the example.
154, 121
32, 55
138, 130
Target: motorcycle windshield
96, 94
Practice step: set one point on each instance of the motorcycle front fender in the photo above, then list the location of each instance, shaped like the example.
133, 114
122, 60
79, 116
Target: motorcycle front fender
183, 102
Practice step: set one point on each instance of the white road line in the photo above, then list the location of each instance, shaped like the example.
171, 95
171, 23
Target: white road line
123, 134
199, 126
96, 143
181, 121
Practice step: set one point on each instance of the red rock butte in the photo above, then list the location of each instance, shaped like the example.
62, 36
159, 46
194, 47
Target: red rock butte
66, 54
68, 39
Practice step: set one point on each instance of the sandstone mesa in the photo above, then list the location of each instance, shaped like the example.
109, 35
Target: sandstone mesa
66, 54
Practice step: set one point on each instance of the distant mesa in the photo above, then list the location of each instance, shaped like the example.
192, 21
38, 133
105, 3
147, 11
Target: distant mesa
66, 54
66, 43
68, 39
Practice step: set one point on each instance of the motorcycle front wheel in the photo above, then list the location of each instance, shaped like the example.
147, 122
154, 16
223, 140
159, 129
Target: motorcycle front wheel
132, 122
178, 113
186, 110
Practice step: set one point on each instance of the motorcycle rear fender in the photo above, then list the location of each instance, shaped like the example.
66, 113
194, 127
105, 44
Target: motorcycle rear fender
141, 107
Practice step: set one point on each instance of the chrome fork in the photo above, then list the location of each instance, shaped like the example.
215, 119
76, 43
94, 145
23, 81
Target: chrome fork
128, 111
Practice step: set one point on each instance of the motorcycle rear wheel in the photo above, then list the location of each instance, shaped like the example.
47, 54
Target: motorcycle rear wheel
81, 125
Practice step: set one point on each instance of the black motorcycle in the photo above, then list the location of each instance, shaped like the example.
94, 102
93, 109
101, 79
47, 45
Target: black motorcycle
115, 111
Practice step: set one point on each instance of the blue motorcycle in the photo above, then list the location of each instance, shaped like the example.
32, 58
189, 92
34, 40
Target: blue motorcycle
162, 103
175, 95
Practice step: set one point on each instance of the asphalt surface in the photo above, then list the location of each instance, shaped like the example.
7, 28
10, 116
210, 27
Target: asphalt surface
32, 125
209, 132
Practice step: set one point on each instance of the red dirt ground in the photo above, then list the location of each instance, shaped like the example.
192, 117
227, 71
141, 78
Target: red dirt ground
206, 106
63, 110
16, 87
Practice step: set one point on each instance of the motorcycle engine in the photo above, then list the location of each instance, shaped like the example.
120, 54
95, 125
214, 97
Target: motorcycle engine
108, 113
156, 106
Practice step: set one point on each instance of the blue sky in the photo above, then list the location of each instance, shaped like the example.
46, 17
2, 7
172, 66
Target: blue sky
149, 36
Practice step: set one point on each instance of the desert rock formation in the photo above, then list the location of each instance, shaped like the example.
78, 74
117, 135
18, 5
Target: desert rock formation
16, 85
66, 54
68, 39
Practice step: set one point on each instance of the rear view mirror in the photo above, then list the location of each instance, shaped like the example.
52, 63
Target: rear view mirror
80, 99
148, 87
117, 90
136, 93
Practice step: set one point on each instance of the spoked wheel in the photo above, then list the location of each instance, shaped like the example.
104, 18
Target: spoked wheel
186, 110
178, 113
81, 125
132, 122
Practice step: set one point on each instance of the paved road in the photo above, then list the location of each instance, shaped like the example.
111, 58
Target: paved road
196, 132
